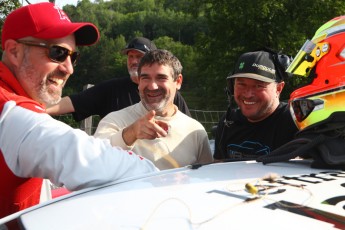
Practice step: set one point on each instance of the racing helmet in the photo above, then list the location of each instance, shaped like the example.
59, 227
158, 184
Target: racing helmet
322, 60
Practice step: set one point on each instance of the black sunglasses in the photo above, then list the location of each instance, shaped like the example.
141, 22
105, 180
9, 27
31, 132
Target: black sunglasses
56, 53
303, 107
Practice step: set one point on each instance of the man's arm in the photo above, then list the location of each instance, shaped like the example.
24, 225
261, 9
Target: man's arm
63, 107
36, 145
145, 127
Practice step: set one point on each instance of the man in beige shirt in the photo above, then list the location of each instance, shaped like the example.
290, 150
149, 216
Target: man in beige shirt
154, 128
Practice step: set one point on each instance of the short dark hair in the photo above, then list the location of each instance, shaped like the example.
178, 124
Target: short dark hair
162, 57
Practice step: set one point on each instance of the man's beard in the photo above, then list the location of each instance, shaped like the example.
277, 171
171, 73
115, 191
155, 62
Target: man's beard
158, 106
133, 72
49, 97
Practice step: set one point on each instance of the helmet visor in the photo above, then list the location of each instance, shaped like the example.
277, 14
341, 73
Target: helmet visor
302, 63
307, 58
303, 107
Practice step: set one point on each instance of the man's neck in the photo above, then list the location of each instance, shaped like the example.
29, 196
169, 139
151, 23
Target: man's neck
171, 111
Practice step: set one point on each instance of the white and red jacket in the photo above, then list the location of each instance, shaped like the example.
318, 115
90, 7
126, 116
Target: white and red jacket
33, 145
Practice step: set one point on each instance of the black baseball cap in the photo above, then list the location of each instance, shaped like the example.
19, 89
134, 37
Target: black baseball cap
258, 65
140, 44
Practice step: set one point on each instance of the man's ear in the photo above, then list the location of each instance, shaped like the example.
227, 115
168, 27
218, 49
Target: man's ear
179, 81
280, 86
14, 52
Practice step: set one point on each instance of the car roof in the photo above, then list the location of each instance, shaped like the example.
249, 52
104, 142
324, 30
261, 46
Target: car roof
241, 195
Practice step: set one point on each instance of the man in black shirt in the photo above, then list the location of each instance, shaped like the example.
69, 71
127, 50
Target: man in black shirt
114, 94
261, 123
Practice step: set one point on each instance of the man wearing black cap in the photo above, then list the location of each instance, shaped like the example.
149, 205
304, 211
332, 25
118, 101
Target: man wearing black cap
261, 123
114, 94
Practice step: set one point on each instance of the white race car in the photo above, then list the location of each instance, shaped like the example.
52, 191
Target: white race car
236, 195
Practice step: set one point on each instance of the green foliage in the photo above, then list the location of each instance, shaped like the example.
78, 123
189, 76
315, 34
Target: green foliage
185, 54
239, 26
206, 35
7, 6
120, 21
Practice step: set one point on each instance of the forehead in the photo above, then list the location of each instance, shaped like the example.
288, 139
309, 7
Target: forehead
156, 69
251, 81
135, 53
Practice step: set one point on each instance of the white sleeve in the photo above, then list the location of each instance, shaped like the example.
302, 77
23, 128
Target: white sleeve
36, 145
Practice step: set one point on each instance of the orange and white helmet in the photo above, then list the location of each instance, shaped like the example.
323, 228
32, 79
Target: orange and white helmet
322, 59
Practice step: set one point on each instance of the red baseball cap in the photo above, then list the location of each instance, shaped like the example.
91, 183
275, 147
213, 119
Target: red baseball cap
46, 21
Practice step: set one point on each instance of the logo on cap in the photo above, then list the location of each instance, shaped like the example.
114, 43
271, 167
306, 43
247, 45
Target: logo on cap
264, 68
241, 65
62, 14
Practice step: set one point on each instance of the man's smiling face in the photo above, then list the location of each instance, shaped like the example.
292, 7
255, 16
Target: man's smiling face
256, 99
157, 88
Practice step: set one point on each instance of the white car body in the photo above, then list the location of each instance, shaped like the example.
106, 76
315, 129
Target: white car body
237, 195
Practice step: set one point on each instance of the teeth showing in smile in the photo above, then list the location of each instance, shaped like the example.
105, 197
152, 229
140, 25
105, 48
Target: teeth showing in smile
248, 103
57, 81
157, 94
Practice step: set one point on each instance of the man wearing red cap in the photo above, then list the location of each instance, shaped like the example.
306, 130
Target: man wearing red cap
114, 94
38, 58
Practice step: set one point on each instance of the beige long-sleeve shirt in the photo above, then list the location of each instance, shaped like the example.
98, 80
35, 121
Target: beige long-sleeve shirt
187, 141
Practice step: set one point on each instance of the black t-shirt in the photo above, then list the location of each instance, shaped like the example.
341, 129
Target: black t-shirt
238, 139
112, 95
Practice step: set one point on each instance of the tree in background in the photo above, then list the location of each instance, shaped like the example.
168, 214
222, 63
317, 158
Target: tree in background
120, 21
6, 6
237, 26
206, 35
